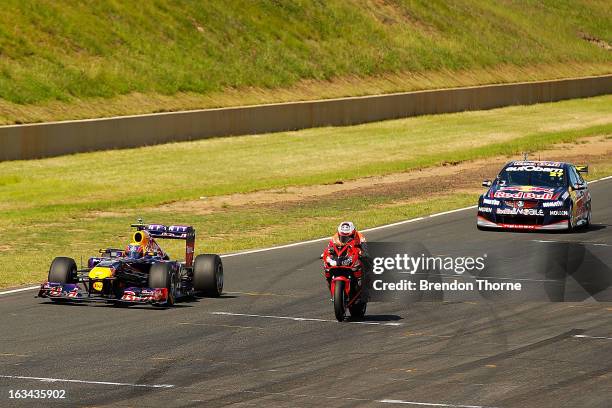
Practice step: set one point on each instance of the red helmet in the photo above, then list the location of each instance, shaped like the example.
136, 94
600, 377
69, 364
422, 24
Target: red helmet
346, 232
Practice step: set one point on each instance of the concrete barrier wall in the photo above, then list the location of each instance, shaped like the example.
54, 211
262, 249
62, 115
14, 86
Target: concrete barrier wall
58, 138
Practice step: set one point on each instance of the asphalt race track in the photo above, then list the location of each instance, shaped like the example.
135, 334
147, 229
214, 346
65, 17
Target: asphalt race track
272, 339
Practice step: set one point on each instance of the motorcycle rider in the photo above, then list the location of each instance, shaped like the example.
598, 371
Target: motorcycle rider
346, 233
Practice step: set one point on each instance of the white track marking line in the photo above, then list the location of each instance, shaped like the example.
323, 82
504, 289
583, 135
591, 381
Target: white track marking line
301, 319
45, 379
429, 404
254, 251
601, 179
8, 292
584, 336
220, 325
548, 241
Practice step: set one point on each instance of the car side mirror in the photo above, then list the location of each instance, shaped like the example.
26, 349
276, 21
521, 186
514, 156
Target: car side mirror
486, 183
581, 186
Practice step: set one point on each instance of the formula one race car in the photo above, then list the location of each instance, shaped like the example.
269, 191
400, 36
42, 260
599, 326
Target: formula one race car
536, 195
142, 273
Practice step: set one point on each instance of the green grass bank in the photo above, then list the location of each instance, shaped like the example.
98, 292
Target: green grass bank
71, 59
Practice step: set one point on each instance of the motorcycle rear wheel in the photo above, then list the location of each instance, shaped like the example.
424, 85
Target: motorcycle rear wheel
358, 310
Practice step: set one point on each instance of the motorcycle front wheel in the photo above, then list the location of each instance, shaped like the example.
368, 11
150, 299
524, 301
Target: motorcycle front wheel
339, 301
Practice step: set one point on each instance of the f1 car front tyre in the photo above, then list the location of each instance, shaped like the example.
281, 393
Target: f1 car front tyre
160, 276
63, 270
208, 275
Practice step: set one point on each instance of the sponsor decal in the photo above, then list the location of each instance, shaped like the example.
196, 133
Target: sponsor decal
98, 285
490, 202
538, 163
55, 291
552, 204
551, 170
485, 209
520, 211
524, 195
518, 226
532, 189
73, 293
559, 212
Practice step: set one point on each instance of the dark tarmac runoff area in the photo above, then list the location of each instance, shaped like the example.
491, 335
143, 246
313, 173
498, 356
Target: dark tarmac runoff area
272, 339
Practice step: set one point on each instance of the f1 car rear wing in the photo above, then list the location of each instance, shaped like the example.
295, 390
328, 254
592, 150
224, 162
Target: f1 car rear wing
184, 232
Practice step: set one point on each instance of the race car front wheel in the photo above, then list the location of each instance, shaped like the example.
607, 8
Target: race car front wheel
208, 275
63, 270
161, 276
587, 224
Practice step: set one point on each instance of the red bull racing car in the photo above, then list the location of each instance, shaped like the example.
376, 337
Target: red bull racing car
140, 273
536, 195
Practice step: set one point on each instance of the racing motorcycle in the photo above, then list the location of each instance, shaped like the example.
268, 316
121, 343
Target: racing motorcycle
345, 274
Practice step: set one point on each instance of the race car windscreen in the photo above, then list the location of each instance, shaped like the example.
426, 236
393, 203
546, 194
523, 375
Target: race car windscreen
511, 176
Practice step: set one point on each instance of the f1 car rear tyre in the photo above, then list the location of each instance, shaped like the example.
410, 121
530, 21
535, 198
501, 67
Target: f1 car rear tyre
63, 270
358, 310
339, 301
160, 276
208, 275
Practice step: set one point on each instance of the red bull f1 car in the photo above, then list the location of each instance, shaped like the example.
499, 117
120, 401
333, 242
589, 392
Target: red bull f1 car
140, 273
536, 195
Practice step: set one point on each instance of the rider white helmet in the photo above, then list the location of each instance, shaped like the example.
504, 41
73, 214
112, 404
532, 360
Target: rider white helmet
346, 231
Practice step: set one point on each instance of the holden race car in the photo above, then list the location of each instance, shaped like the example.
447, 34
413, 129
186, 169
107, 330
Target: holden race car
536, 195
141, 273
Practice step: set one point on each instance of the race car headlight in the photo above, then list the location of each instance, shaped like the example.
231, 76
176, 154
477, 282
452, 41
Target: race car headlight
331, 261
347, 261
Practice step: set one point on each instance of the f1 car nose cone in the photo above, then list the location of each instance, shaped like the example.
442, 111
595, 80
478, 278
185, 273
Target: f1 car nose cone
100, 272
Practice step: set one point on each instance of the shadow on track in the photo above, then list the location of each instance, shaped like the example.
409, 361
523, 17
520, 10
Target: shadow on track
377, 318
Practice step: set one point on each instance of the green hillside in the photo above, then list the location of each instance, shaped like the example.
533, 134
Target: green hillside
68, 58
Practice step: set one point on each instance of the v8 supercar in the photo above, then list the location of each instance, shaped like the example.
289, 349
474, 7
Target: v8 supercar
141, 273
536, 195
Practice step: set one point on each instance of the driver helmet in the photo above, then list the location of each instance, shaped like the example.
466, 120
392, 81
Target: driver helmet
134, 251
346, 232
